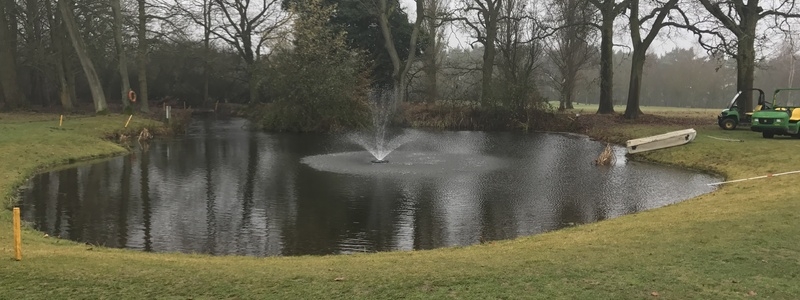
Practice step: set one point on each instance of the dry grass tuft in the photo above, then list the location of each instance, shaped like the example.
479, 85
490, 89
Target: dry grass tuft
145, 135
606, 157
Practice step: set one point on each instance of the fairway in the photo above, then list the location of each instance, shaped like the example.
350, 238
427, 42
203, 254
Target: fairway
710, 113
736, 242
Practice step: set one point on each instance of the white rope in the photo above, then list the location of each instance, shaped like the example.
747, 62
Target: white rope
722, 139
757, 177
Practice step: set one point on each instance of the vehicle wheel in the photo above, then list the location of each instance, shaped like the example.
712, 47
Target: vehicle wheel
767, 135
728, 124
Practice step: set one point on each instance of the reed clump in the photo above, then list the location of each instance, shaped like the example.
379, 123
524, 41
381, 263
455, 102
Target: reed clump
606, 157
145, 135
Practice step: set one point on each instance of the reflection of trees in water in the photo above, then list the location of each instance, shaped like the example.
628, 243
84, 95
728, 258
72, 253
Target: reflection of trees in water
40, 195
124, 200
147, 211
67, 190
210, 164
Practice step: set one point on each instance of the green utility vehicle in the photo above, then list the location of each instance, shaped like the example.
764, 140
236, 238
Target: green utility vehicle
732, 116
780, 119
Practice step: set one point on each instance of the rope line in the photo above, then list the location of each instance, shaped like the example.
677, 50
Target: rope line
757, 177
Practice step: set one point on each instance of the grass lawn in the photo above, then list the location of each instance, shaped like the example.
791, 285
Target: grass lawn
740, 241
667, 111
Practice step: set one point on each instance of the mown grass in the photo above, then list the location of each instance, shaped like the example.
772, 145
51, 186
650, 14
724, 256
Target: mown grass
667, 111
737, 242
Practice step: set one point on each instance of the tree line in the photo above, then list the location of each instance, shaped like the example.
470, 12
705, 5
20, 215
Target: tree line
315, 61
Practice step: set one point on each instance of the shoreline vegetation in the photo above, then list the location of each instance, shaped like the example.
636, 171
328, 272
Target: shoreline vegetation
736, 242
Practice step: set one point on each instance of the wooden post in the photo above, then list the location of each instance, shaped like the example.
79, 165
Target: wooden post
129, 120
215, 106
17, 235
61, 120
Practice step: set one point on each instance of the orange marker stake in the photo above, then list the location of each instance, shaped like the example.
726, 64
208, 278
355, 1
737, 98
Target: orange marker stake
17, 235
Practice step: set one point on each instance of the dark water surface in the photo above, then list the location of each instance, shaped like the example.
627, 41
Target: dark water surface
225, 190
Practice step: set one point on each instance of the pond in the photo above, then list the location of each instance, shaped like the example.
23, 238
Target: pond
225, 190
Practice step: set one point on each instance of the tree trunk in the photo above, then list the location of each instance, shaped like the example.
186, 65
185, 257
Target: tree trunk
432, 69
745, 69
566, 91
252, 82
58, 40
95, 86
632, 109
431, 61
14, 98
489, 54
144, 105
570, 91
607, 65
63, 91
66, 80
69, 72
123, 60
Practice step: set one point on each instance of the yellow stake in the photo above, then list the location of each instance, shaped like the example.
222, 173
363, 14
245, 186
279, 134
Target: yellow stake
215, 106
129, 120
61, 121
17, 235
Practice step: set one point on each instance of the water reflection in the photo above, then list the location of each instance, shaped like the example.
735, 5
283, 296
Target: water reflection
225, 190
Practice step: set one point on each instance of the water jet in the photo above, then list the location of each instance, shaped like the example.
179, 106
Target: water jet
377, 139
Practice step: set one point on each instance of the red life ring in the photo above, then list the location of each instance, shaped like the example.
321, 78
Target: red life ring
132, 96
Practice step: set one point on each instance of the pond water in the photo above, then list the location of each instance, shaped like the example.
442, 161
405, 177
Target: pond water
226, 190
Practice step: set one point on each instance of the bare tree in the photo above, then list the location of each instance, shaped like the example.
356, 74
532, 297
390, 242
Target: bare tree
740, 19
95, 86
482, 18
241, 21
571, 50
8, 70
400, 67
609, 10
519, 44
657, 15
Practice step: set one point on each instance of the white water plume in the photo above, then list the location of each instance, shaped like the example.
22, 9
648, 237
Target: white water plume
376, 140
